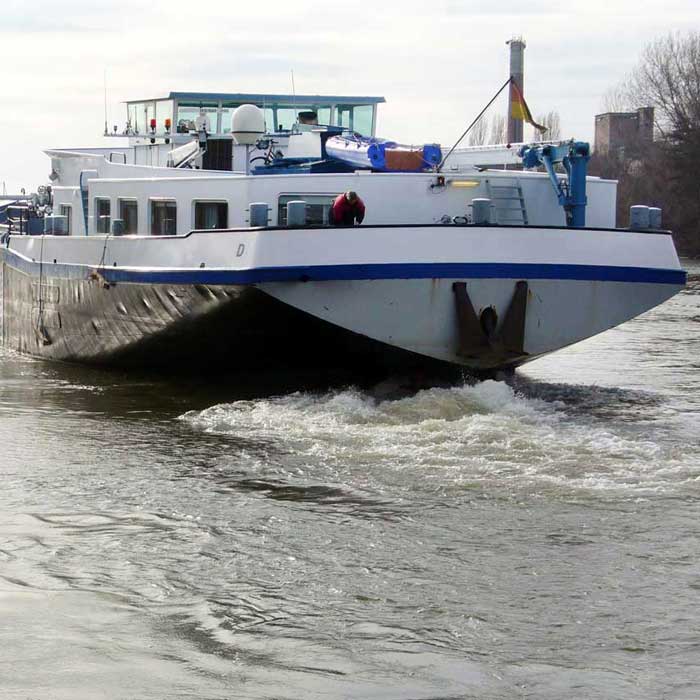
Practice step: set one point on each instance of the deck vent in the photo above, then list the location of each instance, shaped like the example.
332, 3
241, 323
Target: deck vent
55, 225
259, 214
118, 227
655, 218
481, 210
639, 217
296, 213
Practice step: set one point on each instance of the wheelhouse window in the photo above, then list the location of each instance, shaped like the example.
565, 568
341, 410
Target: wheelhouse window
210, 215
345, 116
164, 110
66, 210
318, 207
188, 112
102, 215
362, 119
357, 118
269, 115
129, 214
136, 114
163, 217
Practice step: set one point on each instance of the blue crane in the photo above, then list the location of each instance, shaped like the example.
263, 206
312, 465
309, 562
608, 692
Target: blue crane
571, 192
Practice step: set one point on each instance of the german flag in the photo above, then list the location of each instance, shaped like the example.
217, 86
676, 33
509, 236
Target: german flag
519, 108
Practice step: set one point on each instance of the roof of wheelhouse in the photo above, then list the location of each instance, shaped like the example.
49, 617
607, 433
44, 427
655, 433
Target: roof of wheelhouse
291, 100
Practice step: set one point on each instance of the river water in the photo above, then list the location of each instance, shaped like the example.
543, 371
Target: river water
534, 539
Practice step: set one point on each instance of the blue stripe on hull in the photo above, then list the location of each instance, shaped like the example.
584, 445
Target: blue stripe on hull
381, 271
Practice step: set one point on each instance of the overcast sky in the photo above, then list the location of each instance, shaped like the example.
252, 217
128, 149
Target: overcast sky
437, 63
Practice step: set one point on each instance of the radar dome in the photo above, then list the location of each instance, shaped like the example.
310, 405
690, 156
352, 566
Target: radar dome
247, 124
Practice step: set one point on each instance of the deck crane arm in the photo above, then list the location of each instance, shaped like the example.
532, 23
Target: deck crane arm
570, 191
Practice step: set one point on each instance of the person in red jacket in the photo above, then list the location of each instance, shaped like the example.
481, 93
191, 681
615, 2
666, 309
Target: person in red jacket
347, 209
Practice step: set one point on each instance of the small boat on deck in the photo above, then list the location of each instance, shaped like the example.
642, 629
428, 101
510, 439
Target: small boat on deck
381, 155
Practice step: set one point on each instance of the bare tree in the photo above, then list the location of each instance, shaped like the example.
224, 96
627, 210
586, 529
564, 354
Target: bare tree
498, 129
479, 133
552, 121
619, 98
664, 172
667, 77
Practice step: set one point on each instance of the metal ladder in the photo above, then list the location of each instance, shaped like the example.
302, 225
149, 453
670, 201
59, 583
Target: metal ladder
508, 201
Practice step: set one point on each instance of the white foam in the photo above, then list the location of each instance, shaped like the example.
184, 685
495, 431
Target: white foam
452, 435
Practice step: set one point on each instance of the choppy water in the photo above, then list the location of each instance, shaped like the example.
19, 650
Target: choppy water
538, 539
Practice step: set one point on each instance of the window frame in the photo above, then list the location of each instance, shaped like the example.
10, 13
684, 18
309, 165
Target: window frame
212, 109
130, 200
362, 120
289, 197
69, 216
97, 215
151, 213
219, 200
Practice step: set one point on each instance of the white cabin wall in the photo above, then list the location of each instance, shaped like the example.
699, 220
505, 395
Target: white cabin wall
185, 191
390, 198
414, 201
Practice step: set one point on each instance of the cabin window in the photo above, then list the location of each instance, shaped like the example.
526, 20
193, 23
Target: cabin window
324, 115
357, 119
164, 110
226, 115
286, 117
102, 215
227, 110
344, 116
65, 210
187, 113
129, 214
163, 217
210, 215
137, 117
317, 208
362, 119
269, 114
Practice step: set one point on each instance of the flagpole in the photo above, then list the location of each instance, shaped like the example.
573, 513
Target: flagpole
469, 128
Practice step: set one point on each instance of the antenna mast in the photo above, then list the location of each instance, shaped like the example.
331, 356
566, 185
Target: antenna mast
105, 85
294, 93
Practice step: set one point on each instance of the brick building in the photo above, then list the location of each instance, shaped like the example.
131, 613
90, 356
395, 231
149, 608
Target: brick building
624, 131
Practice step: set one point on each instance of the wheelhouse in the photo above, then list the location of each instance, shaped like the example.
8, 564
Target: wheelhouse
282, 112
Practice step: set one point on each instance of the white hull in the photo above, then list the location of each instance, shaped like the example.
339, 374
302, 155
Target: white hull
419, 315
391, 285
